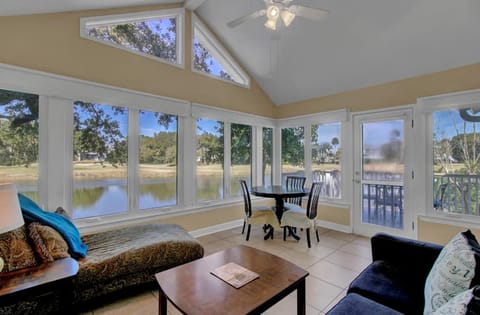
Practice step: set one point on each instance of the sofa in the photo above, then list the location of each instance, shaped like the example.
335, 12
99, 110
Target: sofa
118, 262
394, 282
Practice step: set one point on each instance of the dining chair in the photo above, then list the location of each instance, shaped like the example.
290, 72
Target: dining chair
294, 183
259, 215
299, 217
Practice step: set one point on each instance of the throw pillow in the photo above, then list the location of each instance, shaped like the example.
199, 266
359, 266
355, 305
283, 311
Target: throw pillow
16, 251
465, 303
49, 244
455, 270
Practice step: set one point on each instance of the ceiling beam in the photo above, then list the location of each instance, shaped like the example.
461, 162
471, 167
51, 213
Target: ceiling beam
192, 4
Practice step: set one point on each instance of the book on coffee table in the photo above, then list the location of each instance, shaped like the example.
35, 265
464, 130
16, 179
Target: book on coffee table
235, 275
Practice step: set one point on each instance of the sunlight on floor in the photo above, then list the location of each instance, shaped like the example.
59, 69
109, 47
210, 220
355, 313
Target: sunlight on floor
332, 263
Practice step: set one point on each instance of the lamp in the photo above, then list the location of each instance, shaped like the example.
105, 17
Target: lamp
273, 12
287, 17
10, 213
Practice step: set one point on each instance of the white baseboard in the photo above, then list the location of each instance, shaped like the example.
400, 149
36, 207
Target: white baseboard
237, 223
335, 226
217, 228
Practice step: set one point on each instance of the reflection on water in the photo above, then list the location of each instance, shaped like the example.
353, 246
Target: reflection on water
210, 187
110, 196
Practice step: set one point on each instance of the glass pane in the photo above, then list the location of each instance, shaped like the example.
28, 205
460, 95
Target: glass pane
100, 160
19, 141
209, 160
203, 61
293, 154
155, 37
267, 157
158, 160
456, 166
326, 157
241, 156
382, 173
383, 147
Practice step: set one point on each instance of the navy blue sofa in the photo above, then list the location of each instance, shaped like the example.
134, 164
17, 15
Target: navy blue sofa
394, 282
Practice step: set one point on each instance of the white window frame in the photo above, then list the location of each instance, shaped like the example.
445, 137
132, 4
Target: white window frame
338, 116
423, 113
178, 14
219, 53
228, 117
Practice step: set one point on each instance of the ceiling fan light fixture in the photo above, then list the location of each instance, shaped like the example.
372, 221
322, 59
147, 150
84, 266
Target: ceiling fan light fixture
273, 12
287, 17
271, 24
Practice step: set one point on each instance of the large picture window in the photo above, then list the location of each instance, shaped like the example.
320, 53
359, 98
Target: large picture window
210, 154
100, 160
158, 160
241, 157
293, 152
326, 158
456, 161
19, 140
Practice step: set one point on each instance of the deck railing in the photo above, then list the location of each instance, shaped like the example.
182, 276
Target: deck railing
457, 193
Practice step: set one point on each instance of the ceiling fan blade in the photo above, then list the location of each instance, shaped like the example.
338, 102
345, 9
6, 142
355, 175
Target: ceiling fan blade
245, 18
306, 12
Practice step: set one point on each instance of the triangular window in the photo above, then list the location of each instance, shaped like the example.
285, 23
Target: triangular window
209, 57
154, 34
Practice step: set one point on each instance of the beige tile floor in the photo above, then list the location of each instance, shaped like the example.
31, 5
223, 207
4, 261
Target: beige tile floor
332, 263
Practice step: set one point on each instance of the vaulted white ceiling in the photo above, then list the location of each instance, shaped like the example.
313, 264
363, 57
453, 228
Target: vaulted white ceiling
360, 42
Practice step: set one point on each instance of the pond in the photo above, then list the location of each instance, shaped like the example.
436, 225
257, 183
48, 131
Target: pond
110, 196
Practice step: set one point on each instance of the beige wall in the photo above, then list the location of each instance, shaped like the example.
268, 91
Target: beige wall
440, 233
397, 93
52, 43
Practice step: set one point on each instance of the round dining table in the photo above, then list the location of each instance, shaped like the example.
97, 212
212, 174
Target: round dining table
279, 193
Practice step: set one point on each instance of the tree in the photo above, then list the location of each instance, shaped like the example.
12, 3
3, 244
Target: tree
241, 144
18, 128
98, 132
203, 61
146, 36
392, 150
293, 146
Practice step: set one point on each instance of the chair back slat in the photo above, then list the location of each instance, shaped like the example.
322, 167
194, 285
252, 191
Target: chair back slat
295, 183
246, 198
313, 200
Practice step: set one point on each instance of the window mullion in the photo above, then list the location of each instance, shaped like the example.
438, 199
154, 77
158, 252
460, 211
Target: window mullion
133, 159
227, 159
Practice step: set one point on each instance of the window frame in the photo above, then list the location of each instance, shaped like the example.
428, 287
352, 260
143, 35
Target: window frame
424, 112
178, 13
338, 116
213, 46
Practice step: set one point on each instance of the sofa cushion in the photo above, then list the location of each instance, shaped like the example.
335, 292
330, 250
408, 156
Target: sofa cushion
465, 303
48, 243
391, 286
16, 250
354, 304
455, 270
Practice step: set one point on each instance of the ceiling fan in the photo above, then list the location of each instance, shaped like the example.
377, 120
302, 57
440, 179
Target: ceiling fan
280, 9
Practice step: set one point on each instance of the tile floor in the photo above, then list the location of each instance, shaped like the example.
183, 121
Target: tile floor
332, 264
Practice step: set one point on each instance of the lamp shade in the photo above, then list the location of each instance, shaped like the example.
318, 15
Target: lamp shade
10, 213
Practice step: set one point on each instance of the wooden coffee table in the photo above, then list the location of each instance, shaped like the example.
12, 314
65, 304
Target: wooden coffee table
194, 290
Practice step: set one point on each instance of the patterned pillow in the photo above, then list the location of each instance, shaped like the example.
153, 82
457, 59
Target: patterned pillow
455, 270
465, 303
48, 243
16, 251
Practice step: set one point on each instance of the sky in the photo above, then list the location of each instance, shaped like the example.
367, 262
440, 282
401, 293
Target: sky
379, 132
444, 124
